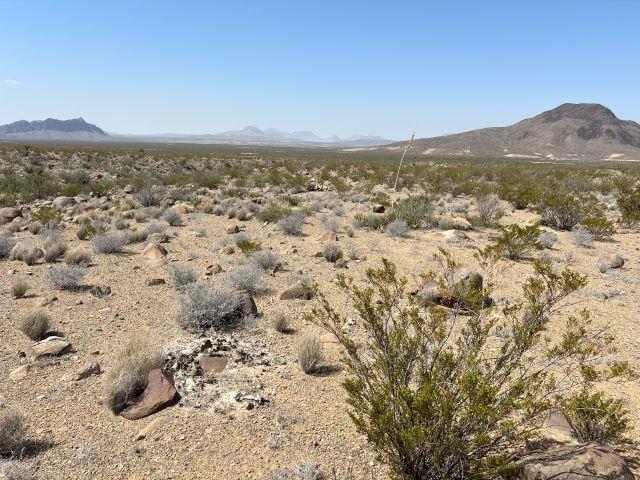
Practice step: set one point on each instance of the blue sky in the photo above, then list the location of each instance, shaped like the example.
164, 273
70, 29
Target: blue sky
345, 67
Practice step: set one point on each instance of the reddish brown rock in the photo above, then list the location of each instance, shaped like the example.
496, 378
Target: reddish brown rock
160, 393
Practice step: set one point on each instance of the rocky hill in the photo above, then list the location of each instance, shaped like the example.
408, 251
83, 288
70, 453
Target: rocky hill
572, 130
52, 129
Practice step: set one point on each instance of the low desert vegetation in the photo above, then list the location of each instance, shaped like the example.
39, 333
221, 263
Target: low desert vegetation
66, 277
78, 256
247, 278
204, 307
292, 224
332, 252
13, 428
109, 242
280, 322
19, 287
514, 242
35, 324
182, 275
439, 406
129, 373
310, 352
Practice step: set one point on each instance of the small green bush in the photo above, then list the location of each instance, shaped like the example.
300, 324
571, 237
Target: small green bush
273, 212
48, 216
599, 227
514, 242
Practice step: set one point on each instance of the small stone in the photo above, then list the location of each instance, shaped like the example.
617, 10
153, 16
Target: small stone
153, 426
297, 290
20, 372
228, 250
379, 209
231, 229
88, 369
49, 347
211, 364
155, 281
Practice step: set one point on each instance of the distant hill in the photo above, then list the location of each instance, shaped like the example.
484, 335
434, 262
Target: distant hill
270, 136
52, 129
572, 130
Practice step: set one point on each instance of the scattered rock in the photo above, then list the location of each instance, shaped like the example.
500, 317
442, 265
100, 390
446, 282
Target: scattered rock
19, 373
158, 237
160, 393
247, 307
379, 209
213, 269
49, 347
328, 237
576, 462
340, 263
25, 250
154, 251
88, 369
228, 250
100, 291
231, 229
155, 281
557, 428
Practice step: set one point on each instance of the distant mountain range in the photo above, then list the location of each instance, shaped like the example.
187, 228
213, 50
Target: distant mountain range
572, 130
79, 130
52, 129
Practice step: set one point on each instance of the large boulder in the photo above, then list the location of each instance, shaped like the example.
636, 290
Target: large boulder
610, 261
9, 213
576, 462
61, 203
154, 251
25, 251
160, 393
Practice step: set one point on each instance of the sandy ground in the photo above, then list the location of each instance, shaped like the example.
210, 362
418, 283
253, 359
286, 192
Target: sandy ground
74, 435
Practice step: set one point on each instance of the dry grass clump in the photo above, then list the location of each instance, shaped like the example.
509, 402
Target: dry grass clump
19, 287
173, 217
264, 259
66, 277
130, 372
203, 307
109, 242
34, 228
182, 275
247, 278
13, 427
78, 256
280, 322
310, 352
6, 244
397, 228
54, 248
35, 324
292, 224
13, 470
332, 252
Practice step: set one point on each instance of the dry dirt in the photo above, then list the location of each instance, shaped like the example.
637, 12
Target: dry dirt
74, 435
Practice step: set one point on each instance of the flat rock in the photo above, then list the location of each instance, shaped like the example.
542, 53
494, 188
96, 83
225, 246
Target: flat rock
155, 281
9, 213
328, 237
611, 261
160, 393
211, 364
85, 371
576, 462
49, 347
556, 427
19, 373
60, 203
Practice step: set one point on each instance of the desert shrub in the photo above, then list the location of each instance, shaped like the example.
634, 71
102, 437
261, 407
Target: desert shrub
370, 221
397, 228
182, 275
247, 278
582, 238
332, 252
173, 217
54, 249
6, 244
453, 223
629, 205
109, 242
129, 373
47, 216
309, 350
331, 224
265, 259
19, 287
148, 197
274, 212
204, 307
247, 246
338, 210
90, 230
432, 391
547, 239
242, 214
78, 256
35, 324
595, 418
564, 210
140, 215
292, 224
514, 242
66, 277
280, 322
13, 427
599, 227
136, 236
416, 211
521, 194
488, 208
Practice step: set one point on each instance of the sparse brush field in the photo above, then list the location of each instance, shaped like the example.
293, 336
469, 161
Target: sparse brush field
208, 296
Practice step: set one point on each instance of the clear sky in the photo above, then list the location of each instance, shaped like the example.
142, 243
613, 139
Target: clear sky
340, 67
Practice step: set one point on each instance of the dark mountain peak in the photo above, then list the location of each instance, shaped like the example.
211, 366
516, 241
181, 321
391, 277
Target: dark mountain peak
579, 111
51, 126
